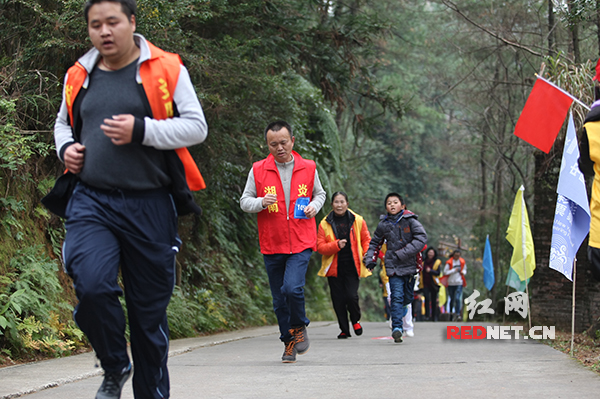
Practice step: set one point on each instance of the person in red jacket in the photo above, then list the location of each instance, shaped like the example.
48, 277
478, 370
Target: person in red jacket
128, 107
343, 239
285, 192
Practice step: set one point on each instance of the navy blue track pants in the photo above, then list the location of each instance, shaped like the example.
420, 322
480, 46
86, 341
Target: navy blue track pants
136, 232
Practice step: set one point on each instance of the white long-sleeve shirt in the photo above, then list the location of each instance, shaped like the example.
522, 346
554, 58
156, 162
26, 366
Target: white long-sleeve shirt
453, 274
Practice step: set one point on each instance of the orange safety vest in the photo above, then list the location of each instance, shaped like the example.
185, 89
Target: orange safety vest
159, 77
450, 263
279, 232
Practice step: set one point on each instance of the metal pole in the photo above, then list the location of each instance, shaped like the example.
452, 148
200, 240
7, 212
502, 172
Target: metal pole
504, 313
528, 307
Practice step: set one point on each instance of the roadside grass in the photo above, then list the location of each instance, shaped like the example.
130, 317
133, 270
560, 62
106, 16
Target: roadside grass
585, 348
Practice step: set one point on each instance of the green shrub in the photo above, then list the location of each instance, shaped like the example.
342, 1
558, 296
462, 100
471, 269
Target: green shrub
34, 317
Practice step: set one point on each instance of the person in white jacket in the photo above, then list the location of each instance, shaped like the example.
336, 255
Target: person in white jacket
456, 270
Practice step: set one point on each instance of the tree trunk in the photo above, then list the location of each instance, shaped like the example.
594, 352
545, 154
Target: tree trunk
483, 205
499, 215
574, 28
551, 29
597, 24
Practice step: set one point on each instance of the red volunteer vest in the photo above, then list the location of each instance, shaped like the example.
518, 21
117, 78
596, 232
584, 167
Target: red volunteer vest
159, 77
279, 232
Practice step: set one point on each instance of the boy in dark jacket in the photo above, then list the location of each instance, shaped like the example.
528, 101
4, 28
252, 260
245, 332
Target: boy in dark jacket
405, 238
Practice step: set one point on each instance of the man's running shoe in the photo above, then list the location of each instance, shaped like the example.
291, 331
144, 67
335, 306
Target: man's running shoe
301, 339
289, 353
113, 384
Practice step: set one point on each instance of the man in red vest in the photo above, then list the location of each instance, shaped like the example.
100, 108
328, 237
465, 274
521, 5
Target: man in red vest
129, 110
285, 192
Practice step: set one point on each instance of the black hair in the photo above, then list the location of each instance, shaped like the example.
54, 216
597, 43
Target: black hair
343, 194
456, 251
393, 195
277, 126
435, 254
129, 7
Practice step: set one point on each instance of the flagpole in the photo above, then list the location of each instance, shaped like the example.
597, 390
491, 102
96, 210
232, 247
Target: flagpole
573, 306
504, 313
564, 92
524, 249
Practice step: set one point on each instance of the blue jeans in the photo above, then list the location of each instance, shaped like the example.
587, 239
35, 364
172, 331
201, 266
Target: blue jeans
402, 291
454, 296
287, 276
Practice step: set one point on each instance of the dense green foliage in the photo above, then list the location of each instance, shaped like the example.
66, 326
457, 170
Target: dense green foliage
409, 96
252, 62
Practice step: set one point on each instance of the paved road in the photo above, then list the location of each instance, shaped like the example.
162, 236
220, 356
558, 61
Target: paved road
246, 364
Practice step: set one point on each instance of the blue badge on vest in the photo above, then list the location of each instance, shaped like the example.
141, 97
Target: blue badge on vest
301, 203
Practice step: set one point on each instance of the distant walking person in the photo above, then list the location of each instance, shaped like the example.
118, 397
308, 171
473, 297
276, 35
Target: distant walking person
343, 239
429, 283
405, 238
456, 270
285, 192
128, 111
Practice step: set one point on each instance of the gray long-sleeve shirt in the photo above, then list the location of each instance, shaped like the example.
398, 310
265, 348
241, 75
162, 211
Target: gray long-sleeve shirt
251, 203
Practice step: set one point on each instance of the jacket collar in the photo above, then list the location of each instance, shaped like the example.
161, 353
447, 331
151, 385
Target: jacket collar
330, 216
396, 219
298, 161
393, 218
593, 115
90, 59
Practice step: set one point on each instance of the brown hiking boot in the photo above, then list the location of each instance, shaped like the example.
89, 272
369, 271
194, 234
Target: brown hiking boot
301, 339
289, 353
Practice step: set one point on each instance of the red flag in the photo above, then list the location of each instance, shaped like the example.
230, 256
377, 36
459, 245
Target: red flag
543, 115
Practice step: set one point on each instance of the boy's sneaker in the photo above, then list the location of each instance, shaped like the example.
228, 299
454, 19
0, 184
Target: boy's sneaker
409, 333
113, 384
357, 328
300, 339
397, 335
289, 353
343, 335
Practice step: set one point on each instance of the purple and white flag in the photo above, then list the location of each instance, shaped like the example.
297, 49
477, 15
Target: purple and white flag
572, 216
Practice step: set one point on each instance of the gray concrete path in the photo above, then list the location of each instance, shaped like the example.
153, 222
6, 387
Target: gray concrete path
246, 364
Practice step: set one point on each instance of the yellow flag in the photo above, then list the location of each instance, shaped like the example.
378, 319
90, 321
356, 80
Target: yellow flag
442, 295
519, 236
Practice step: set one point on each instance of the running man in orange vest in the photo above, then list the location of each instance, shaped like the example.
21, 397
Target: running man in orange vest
129, 110
285, 192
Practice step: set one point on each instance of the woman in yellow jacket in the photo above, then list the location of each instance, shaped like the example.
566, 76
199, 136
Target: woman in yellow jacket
429, 283
343, 238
